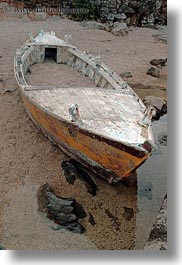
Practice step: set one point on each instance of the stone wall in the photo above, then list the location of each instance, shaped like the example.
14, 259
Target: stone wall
133, 12
137, 12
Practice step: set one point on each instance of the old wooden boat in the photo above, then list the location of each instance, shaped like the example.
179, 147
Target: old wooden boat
106, 127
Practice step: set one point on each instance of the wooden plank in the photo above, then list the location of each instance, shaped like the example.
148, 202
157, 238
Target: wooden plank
82, 66
83, 57
70, 60
89, 68
84, 70
77, 63
22, 75
31, 88
25, 55
114, 80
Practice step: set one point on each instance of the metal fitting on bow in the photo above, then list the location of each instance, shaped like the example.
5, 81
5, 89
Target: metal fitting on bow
30, 35
146, 120
67, 38
75, 115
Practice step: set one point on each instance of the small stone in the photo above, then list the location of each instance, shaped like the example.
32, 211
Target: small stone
145, 189
120, 16
150, 19
91, 219
128, 22
62, 219
139, 86
126, 9
159, 62
110, 17
160, 105
126, 75
92, 25
74, 227
120, 29
38, 16
163, 139
128, 213
158, 4
155, 101
10, 90
153, 72
72, 170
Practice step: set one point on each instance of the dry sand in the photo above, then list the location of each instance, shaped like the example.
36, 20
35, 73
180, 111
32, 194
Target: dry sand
29, 160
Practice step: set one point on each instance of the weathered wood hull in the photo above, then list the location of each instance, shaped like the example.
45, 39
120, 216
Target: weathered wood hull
111, 160
112, 153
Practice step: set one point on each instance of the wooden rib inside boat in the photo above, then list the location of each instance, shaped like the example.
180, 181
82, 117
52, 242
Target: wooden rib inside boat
106, 127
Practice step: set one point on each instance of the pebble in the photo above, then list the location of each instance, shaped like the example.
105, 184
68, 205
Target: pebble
126, 75
128, 213
153, 71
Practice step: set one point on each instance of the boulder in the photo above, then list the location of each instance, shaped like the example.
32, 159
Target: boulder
64, 211
159, 62
159, 104
92, 25
134, 4
128, 21
120, 29
126, 9
153, 71
162, 138
91, 219
110, 17
38, 16
158, 4
126, 75
120, 16
128, 213
73, 170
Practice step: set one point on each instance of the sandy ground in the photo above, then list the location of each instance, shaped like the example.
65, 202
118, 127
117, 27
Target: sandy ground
29, 160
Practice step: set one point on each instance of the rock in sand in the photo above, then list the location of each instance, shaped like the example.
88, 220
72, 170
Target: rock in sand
159, 104
120, 29
126, 75
153, 71
64, 211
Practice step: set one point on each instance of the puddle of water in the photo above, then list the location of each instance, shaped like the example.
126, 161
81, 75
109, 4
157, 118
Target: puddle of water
152, 184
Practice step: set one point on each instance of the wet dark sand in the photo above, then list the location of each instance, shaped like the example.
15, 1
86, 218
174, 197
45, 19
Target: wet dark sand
29, 160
